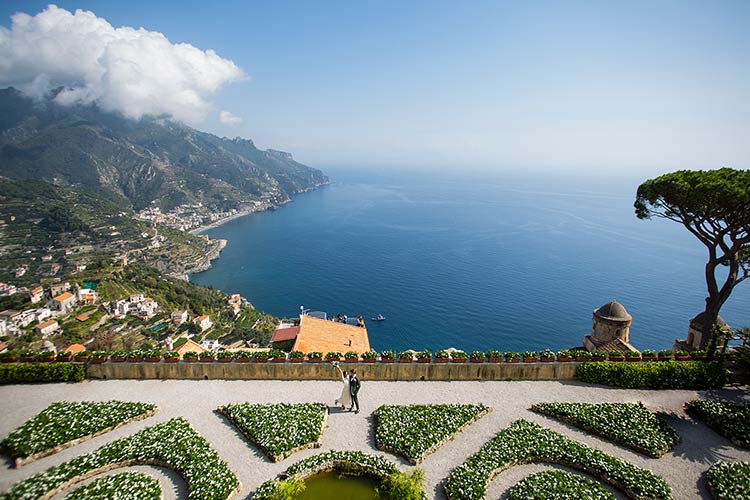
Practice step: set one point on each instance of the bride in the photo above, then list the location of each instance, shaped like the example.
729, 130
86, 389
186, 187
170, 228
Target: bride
345, 399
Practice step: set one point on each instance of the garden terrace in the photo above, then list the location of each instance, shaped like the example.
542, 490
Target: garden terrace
731, 420
558, 485
729, 480
130, 485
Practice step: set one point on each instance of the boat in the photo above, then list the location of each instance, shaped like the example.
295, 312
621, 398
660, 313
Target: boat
379, 317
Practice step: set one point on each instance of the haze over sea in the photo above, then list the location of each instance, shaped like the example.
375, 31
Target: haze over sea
472, 261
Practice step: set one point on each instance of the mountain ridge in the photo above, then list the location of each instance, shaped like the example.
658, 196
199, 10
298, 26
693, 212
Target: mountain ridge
151, 161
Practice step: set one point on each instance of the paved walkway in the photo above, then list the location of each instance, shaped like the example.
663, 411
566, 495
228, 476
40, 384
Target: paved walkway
684, 468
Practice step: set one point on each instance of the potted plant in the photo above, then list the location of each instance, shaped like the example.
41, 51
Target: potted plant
171, 356
387, 356
131, 356
351, 356
9, 356
333, 356
315, 357
682, 356
117, 356
459, 357
547, 356
27, 356
224, 356
441, 356
64, 356
45, 356
190, 357
261, 356
82, 357
370, 356
632, 357
665, 355
476, 357
530, 357
494, 356
296, 356
99, 357
424, 356
207, 357
699, 355
582, 356
648, 355
278, 356
512, 357
564, 356
243, 356
599, 355
153, 355
405, 357
616, 356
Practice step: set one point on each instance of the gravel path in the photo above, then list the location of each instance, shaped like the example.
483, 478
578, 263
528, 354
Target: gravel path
684, 468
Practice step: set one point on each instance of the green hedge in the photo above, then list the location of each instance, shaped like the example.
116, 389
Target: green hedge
19, 373
729, 480
654, 374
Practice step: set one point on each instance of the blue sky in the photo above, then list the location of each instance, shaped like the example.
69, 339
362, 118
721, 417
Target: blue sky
585, 86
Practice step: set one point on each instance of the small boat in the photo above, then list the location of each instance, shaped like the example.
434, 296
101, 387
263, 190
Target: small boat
379, 317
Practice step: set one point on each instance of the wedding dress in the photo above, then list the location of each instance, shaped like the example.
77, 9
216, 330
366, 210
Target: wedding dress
345, 399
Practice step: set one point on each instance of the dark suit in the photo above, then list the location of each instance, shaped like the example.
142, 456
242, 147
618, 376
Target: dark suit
353, 390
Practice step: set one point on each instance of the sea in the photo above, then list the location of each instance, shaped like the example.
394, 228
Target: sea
469, 259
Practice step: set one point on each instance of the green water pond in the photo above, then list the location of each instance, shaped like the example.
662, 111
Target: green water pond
330, 485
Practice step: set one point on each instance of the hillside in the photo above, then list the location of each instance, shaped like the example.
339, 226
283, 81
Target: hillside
152, 161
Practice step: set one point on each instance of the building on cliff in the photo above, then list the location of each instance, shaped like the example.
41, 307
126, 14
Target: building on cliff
318, 334
610, 329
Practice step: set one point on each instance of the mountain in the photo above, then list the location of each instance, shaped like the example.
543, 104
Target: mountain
139, 163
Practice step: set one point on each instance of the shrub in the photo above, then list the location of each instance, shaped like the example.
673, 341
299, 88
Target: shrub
424, 354
19, 373
557, 485
629, 424
351, 355
63, 422
476, 355
729, 480
654, 374
173, 443
415, 431
9, 355
130, 485
101, 355
190, 355
296, 355
207, 356
405, 354
315, 355
369, 355
526, 442
278, 429
458, 355
405, 486
224, 355
387, 354
731, 420
333, 355
171, 355
495, 354
45, 356
261, 354
243, 354
599, 354
277, 353
511, 354
441, 354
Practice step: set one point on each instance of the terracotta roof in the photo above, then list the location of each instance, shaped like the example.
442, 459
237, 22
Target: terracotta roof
284, 334
37, 290
75, 348
326, 336
82, 317
64, 296
190, 346
202, 317
46, 324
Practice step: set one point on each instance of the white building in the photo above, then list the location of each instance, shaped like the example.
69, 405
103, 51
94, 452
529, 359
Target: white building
46, 328
36, 294
147, 308
43, 314
136, 298
121, 308
203, 322
64, 302
179, 317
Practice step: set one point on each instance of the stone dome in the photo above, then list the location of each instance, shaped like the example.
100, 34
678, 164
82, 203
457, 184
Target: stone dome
613, 311
698, 320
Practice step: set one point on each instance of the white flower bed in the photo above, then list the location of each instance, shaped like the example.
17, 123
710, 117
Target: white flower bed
279, 429
126, 485
731, 420
558, 485
415, 431
629, 424
65, 424
526, 442
729, 480
172, 444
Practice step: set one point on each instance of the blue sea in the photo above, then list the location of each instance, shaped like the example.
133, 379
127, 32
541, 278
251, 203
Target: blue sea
470, 260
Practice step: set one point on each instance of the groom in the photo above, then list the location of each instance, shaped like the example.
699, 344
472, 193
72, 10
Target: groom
354, 389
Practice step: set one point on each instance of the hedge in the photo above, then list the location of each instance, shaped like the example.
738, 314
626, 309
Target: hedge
558, 485
19, 373
729, 480
654, 374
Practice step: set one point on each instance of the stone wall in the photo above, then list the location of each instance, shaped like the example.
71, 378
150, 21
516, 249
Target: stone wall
324, 371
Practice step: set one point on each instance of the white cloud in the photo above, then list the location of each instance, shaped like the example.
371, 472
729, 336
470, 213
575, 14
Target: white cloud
134, 71
228, 118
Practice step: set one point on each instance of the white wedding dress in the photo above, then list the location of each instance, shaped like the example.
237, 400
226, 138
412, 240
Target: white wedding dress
345, 399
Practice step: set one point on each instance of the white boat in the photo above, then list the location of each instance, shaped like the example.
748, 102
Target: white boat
379, 317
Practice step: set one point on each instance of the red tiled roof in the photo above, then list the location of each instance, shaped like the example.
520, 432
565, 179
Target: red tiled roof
75, 348
82, 317
283, 334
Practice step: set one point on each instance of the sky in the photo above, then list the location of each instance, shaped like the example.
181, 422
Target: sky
605, 87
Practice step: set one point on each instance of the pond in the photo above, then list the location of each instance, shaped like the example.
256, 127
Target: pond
329, 485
